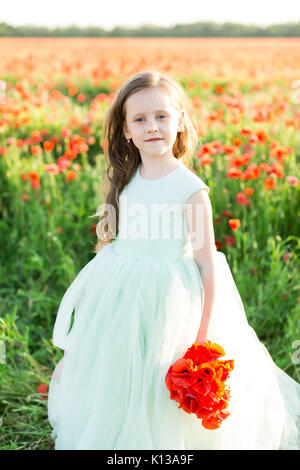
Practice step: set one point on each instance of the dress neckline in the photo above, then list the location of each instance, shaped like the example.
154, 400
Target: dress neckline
156, 179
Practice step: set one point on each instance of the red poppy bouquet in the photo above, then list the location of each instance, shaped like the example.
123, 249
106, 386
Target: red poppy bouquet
197, 382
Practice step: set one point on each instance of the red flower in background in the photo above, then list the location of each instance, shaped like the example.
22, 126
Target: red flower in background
35, 150
71, 175
73, 90
230, 241
42, 389
80, 98
33, 176
48, 146
241, 199
219, 245
234, 223
234, 173
227, 214
248, 191
269, 183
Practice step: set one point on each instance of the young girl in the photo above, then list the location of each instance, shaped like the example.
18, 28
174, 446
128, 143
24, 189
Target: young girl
140, 304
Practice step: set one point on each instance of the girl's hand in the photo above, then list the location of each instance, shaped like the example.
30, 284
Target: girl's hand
201, 338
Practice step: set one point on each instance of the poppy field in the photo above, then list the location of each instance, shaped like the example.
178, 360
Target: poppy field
245, 97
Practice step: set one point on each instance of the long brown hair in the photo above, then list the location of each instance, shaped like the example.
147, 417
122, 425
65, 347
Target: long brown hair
122, 157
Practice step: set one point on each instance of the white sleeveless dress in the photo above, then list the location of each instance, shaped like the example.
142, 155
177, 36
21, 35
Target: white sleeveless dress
138, 305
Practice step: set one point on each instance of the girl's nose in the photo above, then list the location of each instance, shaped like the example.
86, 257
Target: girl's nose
152, 126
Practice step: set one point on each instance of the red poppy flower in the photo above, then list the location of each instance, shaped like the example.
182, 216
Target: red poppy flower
197, 382
234, 223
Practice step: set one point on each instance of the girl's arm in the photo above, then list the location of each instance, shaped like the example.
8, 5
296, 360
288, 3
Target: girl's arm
200, 223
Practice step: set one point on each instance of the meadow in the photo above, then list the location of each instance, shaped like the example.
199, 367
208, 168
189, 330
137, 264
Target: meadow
245, 96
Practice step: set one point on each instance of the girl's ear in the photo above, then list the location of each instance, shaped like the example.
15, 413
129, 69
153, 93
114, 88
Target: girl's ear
127, 136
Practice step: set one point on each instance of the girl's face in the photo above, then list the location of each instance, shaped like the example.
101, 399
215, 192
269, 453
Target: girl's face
150, 114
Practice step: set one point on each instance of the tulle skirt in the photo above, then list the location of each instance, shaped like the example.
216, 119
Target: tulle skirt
133, 319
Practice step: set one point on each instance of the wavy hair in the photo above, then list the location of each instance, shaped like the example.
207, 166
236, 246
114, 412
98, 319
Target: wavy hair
123, 158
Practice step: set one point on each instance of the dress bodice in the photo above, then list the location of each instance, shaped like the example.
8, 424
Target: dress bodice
152, 221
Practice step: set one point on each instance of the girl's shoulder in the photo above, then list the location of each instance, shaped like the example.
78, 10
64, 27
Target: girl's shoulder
189, 182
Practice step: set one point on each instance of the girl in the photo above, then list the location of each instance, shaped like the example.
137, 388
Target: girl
140, 303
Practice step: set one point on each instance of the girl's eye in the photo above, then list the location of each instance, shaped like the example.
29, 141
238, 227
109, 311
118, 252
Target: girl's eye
161, 115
